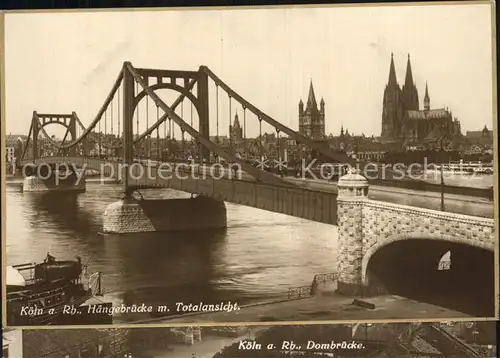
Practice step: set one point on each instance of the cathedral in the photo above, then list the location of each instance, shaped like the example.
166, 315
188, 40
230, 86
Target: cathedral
312, 119
403, 120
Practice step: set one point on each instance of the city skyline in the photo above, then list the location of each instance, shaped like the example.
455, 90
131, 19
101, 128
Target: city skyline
78, 66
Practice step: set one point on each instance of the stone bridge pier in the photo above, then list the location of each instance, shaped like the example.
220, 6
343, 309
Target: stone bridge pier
45, 177
132, 215
352, 193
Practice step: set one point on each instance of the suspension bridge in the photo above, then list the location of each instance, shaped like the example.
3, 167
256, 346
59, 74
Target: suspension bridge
139, 139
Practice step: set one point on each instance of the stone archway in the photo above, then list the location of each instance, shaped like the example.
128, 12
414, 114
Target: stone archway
382, 241
409, 267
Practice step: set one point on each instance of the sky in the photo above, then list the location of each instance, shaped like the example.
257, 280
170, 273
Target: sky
64, 62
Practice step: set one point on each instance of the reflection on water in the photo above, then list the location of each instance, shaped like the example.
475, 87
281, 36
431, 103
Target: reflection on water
259, 256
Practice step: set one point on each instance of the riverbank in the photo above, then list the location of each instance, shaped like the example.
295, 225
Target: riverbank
323, 308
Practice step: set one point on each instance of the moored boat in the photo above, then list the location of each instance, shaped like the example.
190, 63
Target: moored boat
52, 292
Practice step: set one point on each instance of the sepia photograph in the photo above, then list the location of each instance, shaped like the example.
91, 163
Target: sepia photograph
264, 164
381, 340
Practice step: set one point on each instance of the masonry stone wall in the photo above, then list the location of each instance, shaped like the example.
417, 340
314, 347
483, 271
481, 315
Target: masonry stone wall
352, 194
35, 184
130, 215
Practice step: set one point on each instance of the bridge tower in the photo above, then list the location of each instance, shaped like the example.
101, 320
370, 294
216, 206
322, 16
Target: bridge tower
128, 125
72, 132
179, 81
39, 121
146, 215
42, 176
35, 129
203, 112
352, 193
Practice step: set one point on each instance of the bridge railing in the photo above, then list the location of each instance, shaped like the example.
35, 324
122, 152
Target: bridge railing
309, 291
325, 277
486, 193
295, 293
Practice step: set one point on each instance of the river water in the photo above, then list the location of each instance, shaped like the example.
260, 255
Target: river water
259, 256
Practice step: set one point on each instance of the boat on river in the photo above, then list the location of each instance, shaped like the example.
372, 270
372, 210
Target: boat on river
53, 292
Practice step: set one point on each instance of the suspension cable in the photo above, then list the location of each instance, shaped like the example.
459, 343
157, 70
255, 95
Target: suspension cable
119, 111
112, 119
182, 129
137, 109
148, 139
183, 143
245, 130
217, 110
192, 114
260, 138
230, 127
278, 142
99, 138
157, 134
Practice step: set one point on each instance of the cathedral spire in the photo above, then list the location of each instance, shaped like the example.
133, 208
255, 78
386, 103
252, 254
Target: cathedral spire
311, 99
410, 93
409, 74
392, 73
236, 121
427, 100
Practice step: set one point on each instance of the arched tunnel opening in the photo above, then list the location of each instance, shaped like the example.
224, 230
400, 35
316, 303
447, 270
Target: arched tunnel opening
451, 275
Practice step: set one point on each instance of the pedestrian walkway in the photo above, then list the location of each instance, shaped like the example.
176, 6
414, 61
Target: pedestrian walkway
329, 308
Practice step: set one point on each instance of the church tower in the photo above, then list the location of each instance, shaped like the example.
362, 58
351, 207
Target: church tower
302, 128
312, 118
392, 110
410, 93
321, 126
427, 100
236, 132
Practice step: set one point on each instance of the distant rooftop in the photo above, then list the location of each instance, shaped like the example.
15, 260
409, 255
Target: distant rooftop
430, 114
